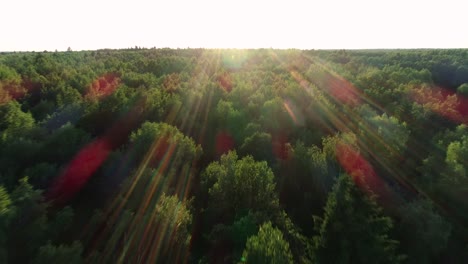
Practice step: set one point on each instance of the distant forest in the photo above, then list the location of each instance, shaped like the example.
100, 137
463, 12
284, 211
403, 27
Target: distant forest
234, 156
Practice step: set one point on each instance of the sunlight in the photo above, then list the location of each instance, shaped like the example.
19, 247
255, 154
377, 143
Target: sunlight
196, 155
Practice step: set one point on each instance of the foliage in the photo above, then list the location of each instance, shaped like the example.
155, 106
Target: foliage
268, 246
425, 233
237, 186
14, 122
130, 125
157, 235
153, 140
353, 229
25, 226
59, 254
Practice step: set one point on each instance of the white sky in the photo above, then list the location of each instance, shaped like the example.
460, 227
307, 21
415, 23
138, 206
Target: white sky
305, 24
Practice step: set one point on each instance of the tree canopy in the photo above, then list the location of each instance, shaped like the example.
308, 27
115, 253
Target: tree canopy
234, 155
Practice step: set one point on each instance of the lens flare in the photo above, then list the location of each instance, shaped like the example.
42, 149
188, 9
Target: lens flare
224, 143
79, 170
443, 102
361, 171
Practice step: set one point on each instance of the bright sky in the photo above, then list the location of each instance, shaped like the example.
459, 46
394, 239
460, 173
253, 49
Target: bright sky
304, 24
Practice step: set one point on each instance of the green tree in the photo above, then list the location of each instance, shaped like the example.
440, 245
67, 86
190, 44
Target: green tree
275, 117
353, 229
268, 246
160, 234
67, 95
154, 140
14, 122
424, 232
384, 135
232, 119
258, 145
455, 159
306, 179
242, 229
236, 187
41, 174
59, 254
463, 89
62, 95
63, 143
26, 224
155, 104
15, 155
6, 214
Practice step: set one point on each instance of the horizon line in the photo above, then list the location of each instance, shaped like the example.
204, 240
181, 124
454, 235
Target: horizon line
213, 48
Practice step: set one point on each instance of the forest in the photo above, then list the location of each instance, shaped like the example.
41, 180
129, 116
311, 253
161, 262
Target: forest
234, 156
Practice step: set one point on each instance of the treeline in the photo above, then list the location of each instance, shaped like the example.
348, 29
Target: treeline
234, 156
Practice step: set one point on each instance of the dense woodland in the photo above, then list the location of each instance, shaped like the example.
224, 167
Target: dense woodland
234, 156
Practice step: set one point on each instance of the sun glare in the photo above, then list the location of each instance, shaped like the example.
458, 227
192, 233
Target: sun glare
223, 131
225, 24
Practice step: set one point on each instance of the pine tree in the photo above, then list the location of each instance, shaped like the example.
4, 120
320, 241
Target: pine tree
353, 229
